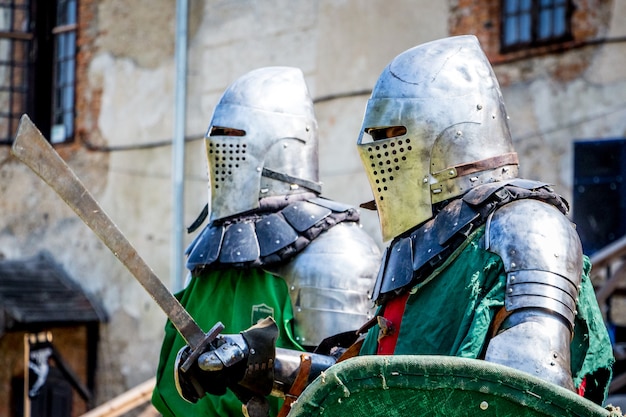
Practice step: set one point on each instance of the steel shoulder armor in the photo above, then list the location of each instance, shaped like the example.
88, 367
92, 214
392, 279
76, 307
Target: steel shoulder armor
542, 257
330, 283
412, 257
316, 245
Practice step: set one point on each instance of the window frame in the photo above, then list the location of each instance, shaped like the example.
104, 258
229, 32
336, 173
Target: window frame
40, 77
536, 9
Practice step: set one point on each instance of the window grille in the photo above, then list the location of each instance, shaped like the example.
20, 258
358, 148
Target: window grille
37, 66
530, 23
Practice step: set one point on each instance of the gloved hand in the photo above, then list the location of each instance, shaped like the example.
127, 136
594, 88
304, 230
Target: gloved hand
244, 363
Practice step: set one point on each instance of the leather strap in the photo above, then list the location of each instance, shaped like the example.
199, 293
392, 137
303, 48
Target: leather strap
301, 381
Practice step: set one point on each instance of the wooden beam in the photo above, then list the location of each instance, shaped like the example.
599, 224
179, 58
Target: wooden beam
125, 402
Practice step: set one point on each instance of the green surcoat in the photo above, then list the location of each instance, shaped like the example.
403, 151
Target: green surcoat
238, 298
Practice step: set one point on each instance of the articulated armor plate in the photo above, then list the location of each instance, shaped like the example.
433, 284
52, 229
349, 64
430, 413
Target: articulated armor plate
412, 258
262, 141
542, 256
435, 127
316, 245
330, 282
265, 238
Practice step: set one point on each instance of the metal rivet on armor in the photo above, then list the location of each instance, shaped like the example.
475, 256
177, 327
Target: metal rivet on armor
554, 355
293, 288
512, 277
556, 255
278, 241
258, 169
307, 128
393, 279
484, 405
510, 290
474, 179
425, 180
552, 363
479, 106
299, 310
459, 133
451, 172
238, 253
513, 265
252, 351
264, 190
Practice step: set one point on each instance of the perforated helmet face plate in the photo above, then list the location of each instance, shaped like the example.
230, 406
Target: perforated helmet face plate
233, 176
396, 170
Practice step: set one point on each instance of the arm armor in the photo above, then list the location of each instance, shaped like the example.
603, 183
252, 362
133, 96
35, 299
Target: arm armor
330, 283
542, 257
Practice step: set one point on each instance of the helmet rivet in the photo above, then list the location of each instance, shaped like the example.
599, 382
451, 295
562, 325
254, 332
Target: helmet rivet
425, 180
479, 106
484, 405
459, 133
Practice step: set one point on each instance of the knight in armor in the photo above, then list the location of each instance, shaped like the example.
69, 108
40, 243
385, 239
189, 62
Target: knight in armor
480, 263
275, 255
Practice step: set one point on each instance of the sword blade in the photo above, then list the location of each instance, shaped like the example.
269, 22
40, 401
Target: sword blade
32, 148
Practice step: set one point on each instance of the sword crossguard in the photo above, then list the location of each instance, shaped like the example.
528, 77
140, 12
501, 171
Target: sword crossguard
200, 348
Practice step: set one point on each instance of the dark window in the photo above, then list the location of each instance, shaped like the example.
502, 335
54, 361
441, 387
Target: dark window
37, 66
530, 23
599, 192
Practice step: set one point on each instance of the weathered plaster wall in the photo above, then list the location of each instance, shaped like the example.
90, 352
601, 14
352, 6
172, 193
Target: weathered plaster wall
126, 101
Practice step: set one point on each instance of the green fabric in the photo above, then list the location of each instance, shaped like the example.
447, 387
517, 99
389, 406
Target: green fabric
450, 314
238, 298
436, 386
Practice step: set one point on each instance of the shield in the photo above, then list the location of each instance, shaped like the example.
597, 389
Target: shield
404, 385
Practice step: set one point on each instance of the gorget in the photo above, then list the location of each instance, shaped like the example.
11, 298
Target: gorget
265, 238
413, 256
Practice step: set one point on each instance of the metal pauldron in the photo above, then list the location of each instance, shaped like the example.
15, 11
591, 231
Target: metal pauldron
330, 283
266, 238
542, 256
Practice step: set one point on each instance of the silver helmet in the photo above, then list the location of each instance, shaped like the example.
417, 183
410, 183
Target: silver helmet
262, 141
434, 127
